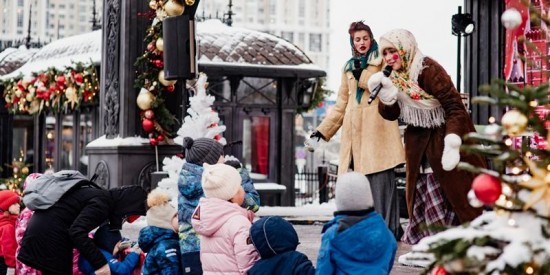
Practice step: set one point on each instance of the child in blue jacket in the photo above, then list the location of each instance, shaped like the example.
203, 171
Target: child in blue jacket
276, 241
356, 241
108, 241
160, 239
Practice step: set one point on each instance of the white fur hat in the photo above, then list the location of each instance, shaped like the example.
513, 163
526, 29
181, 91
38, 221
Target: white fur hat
220, 181
353, 192
161, 212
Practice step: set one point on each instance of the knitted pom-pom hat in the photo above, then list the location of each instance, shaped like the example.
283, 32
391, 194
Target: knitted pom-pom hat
161, 212
220, 181
202, 150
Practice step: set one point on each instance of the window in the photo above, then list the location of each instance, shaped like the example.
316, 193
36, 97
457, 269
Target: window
273, 7
289, 36
315, 42
20, 20
302, 8
301, 39
256, 144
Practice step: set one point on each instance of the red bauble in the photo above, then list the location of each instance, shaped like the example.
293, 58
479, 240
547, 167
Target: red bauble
158, 63
160, 138
487, 188
170, 88
153, 141
60, 80
439, 270
149, 114
151, 47
78, 78
148, 125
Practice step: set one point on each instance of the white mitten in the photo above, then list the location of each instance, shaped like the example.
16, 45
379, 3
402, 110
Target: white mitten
388, 92
451, 152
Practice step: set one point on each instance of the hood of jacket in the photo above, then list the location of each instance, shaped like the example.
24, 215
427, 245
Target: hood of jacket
273, 236
365, 241
126, 201
151, 235
213, 213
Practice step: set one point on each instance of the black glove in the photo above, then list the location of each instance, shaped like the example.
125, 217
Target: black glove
317, 134
357, 73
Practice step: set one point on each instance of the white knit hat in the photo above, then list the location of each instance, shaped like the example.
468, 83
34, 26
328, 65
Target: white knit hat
353, 192
220, 181
161, 212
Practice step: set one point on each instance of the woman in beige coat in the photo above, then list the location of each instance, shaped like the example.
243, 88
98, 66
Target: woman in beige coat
369, 144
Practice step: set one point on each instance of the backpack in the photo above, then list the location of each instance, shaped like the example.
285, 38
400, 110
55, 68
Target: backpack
46, 190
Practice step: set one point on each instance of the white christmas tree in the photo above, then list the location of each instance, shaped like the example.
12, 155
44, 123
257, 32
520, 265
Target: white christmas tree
201, 122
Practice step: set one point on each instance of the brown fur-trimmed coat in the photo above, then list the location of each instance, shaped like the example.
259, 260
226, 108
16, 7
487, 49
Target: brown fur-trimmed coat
427, 142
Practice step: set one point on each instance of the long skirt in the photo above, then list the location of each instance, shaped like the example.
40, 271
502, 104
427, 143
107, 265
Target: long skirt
431, 211
386, 200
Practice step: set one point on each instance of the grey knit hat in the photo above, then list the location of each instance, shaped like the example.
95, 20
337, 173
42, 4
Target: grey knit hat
353, 192
202, 150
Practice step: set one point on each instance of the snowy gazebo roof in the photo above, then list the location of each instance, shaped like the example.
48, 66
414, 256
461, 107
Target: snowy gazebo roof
234, 50
85, 48
13, 58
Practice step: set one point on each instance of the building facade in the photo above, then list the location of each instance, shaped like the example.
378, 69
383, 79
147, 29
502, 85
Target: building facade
49, 19
304, 23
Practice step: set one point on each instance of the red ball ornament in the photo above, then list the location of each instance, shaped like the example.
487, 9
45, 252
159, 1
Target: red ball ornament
158, 63
60, 80
151, 47
487, 188
439, 270
148, 125
170, 88
153, 141
160, 138
149, 114
78, 78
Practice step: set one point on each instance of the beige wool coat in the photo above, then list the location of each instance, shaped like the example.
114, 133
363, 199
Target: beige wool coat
372, 142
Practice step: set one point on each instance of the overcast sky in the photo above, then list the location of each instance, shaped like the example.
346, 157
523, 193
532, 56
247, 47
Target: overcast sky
428, 20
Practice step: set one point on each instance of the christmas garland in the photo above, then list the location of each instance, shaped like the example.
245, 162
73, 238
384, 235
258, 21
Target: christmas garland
156, 119
53, 89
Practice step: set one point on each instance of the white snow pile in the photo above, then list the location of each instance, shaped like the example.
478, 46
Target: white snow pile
520, 236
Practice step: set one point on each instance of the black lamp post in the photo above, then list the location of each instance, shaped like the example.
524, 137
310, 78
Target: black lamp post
462, 25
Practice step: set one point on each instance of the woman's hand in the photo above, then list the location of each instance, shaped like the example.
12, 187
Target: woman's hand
388, 91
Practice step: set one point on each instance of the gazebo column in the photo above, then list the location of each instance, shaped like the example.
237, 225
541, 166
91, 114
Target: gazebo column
116, 165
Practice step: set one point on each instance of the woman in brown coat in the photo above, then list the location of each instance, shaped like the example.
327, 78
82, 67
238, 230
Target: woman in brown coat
369, 144
420, 92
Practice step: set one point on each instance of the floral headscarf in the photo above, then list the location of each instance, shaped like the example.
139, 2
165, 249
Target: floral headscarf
418, 107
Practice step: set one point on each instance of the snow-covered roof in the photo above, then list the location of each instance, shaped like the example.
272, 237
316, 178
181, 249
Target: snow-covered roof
11, 58
85, 48
219, 43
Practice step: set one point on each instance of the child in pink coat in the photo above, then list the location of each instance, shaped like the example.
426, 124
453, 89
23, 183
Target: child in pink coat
223, 225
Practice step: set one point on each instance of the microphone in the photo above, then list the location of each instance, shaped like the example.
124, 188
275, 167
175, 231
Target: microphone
374, 93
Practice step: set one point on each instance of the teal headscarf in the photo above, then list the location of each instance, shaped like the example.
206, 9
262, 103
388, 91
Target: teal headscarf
371, 54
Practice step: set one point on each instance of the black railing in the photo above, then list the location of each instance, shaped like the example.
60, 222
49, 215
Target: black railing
309, 189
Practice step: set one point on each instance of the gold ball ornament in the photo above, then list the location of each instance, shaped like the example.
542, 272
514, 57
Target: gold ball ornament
145, 99
173, 8
514, 122
190, 2
25, 170
160, 44
153, 5
165, 82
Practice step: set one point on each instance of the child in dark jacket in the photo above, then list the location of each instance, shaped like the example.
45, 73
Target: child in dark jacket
108, 241
356, 241
276, 241
9, 210
160, 239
